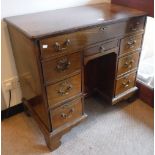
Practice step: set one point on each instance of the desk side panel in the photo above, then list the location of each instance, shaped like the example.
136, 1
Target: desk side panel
26, 56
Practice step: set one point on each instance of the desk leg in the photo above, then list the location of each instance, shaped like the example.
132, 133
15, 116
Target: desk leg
53, 142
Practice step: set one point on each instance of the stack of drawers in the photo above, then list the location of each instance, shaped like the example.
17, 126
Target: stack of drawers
62, 64
62, 77
128, 57
58, 50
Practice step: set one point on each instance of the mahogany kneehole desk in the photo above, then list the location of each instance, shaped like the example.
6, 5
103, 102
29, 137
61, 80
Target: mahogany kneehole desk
64, 55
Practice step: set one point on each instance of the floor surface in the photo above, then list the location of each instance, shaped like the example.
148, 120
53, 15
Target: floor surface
123, 129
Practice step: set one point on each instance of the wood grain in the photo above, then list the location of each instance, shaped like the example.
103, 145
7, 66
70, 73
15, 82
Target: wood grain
125, 83
66, 113
130, 44
81, 39
26, 53
61, 55
128, 63
48, 23
100, 48
61, 67
55, 97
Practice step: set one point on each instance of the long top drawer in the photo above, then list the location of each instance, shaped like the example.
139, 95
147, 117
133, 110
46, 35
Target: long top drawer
72, 42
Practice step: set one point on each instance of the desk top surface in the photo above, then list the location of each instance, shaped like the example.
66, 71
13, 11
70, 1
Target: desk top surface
37, 25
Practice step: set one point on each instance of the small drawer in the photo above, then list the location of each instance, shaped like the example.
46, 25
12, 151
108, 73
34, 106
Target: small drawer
105, 32
63, 90
130, 44
100, 48
128, 63
136, 24
60, 67
53, 46
125, 83
66, 113
73, 42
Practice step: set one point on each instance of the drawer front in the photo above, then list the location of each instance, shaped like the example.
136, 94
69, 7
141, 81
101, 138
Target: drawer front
53, 46
128, 63
60, 67
66, 113
125, 83
72, 42
101, 48
63, 90
136, 24
105, 32
130, 44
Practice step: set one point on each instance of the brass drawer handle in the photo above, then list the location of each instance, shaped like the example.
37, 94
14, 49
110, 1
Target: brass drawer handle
131, 43
128, 64
63, 64
60, 47
126, 83
68, 115
103, 28
135, 28
65, 88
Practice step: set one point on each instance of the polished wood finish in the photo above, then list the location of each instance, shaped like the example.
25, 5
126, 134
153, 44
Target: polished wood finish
61, 67
125, 83
67, 43
29, 73
66, 113
144, 5
75, 41
125, 95
102, 47
56, 22
53, 138
128, 63
130, 44
63, 90
61, 60
135, 25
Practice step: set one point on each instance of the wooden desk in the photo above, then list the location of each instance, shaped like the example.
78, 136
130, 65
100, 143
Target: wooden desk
63, 55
